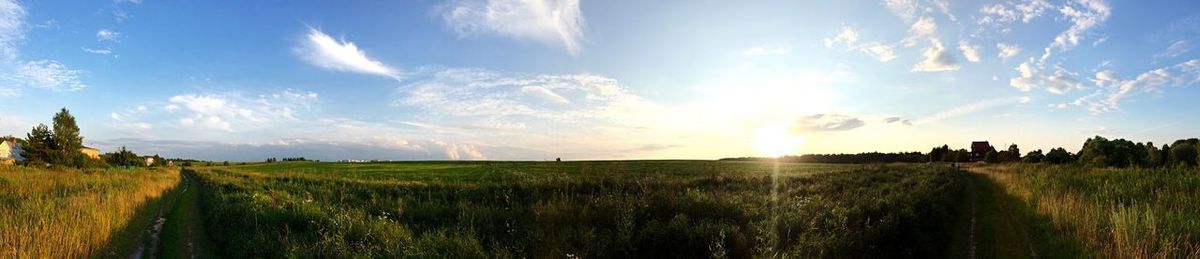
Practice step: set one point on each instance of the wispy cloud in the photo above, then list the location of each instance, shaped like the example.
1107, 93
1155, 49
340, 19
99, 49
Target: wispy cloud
556, 22
108, 35
226, 112
1057, 81
767, 50
1084, 15
971, 52
971, 108
47, 74
1006, 51
825, 122
321, 50
937, 59
1182, 74
104, 51
849, 38
17, 73
1176, 48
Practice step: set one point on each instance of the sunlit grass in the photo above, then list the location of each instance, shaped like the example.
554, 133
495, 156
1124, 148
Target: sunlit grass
72, 214
1115, 213
648, 209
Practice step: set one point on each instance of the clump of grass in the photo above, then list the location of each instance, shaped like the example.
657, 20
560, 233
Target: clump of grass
71, 213
1114, 213
654, 209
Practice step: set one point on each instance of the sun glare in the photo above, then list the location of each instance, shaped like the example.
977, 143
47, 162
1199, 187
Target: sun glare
775, 141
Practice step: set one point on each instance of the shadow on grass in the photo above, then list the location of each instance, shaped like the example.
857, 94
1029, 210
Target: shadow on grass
1006, 226
133, 241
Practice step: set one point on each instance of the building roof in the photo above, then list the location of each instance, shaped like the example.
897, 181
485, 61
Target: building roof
980, 147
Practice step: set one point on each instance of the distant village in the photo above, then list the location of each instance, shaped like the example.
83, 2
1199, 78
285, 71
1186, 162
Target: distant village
60, 145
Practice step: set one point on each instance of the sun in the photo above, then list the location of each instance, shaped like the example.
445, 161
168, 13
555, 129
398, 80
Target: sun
775, 141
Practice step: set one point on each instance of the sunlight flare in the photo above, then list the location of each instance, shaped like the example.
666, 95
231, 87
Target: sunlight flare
775, 140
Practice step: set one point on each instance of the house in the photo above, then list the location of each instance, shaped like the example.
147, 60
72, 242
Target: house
90, 152
10, 152
979, 149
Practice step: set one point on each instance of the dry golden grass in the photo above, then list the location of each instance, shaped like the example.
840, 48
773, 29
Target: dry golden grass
1110, 212
72, 214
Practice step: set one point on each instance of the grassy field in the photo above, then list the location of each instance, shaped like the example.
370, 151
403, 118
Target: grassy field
1113, 213
691, 209
73, 214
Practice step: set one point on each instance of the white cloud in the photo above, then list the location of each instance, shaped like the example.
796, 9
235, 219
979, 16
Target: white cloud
104, 51
882, 52
17, 73
970, 108
775, 50
47, 74
12, 31
108, 35
546, 21
228, 112
1059, 81
1084, 15
937, 59
944, 7
847, 36
905, 9
502, 96
1006, 51
825, 122
544, 93
1177, 48
922, 29
321, 50
971, 52
1182, 74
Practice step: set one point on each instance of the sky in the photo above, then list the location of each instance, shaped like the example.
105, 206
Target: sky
618, 79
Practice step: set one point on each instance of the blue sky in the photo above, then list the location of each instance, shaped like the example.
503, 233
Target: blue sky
539, 79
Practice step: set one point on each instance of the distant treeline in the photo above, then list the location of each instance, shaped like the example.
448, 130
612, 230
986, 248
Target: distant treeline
1096, 152
860, 158
286, 159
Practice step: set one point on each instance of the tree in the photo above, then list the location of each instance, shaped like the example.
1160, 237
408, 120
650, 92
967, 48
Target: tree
1153, 156
40, 146
938, 154
66, 135
991, 157
123, 157
1014, 154
1035, 156
1058, 156
1184, 152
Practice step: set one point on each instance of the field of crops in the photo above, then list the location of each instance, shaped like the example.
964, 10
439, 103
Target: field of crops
692, 209
1113, 213
73, 214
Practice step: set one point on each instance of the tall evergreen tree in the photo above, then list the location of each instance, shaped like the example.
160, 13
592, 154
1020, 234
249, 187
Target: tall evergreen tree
39, 146
66, 135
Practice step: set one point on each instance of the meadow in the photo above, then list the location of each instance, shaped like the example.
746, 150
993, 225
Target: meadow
1112, 213
72, 213
691, 209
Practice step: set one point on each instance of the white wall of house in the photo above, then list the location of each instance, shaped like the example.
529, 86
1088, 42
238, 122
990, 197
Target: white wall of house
10, 150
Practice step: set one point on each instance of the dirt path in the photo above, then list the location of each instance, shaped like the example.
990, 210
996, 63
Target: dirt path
184, 235
177, 230
995, 224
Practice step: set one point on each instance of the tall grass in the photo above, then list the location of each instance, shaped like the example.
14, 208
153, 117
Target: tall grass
72, 214
691, 209
1115, 213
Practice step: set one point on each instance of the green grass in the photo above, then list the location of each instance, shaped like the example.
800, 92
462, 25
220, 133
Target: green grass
585, 209
1113, 213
